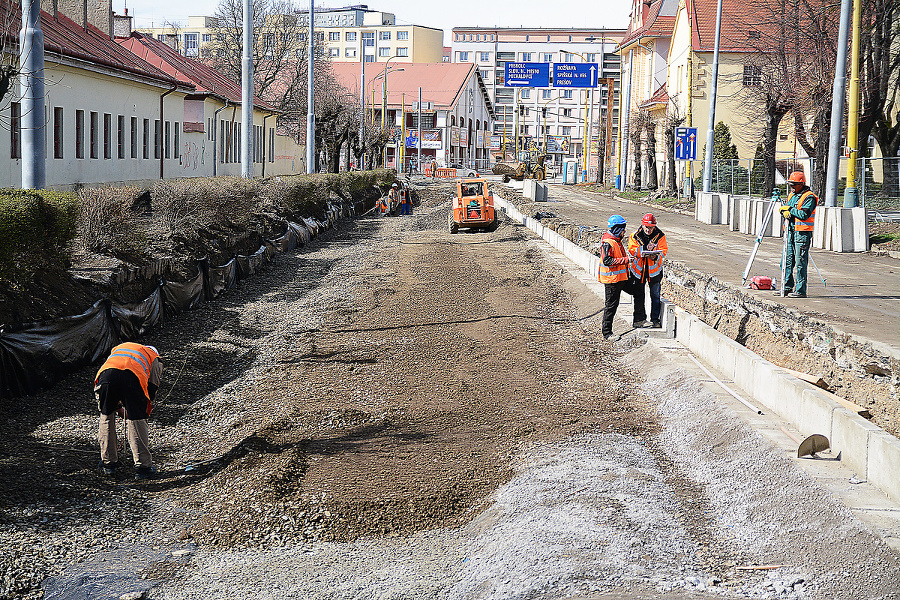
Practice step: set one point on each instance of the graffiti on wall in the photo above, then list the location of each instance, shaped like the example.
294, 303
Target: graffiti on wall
192, 156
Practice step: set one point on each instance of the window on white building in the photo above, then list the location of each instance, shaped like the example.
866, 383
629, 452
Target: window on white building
567, 57
402, 51
350, 36
565, 130
368, 38
350, 52
548, 56
545, 94
384, 35
526, 57
334, 36
525, 93
334, 52
206, 37
484, 56
567, 94
402, 35
462, 57
567, 112
384, 52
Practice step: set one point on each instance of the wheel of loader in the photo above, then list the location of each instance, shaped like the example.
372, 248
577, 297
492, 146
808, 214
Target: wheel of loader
506, 179
452, 225
493, 226
539, 174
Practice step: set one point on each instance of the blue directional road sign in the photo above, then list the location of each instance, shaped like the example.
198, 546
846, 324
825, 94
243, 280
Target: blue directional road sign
685, 143
580, 75
527, 74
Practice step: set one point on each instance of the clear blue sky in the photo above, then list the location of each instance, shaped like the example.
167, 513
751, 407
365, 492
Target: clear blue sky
445, 14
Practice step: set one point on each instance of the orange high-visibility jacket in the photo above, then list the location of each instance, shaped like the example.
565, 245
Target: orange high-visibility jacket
647, 267
135, 358
616, 272
800, 204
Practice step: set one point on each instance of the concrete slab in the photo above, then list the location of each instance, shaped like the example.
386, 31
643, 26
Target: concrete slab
883, 466
850, 436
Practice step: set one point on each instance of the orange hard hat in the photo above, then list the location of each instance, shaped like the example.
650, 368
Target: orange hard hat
648, 219
797, 177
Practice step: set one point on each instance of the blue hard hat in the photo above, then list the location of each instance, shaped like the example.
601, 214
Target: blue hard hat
615, 220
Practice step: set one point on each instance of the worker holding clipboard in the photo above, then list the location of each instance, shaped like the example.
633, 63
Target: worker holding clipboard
647, 247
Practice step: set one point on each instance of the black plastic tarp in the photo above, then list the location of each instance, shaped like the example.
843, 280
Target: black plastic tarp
35, 355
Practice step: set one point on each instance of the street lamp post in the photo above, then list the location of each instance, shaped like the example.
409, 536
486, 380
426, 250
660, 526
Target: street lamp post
383, 75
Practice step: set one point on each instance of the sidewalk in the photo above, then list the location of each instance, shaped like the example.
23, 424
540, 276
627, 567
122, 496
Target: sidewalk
862, 296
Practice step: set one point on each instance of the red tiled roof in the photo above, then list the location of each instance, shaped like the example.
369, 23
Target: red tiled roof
187, 70
655, 25
739, 17
660, 96
64, 37
441, 83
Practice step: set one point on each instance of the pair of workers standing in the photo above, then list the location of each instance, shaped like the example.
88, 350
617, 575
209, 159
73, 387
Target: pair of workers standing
630, 269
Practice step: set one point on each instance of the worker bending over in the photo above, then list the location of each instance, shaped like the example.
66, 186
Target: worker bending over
126, 386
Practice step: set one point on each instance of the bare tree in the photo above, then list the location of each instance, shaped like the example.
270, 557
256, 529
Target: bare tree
652, 174
674, 120
639, 119
9, 56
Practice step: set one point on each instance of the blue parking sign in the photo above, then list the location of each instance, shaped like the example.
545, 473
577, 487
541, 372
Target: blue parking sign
686, 143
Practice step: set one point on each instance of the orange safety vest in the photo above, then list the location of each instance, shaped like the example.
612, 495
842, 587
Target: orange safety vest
807, 223
613, 273
639, 263
135, 358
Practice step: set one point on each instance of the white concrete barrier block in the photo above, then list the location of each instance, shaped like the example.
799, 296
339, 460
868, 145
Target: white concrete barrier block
819, 236
816, 413
724, 202
734, 213
706, 208
529, 187
683, 322
883, 468
850, 435
704, 342
779, 390
745, 365
728, 350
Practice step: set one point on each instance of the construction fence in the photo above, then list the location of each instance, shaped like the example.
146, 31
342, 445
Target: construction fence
878, 179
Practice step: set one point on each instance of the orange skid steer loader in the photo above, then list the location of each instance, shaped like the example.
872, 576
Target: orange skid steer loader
473, 207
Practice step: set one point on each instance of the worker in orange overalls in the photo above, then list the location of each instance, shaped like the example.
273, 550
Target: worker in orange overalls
433, 168
405, 202
613, 274
381, 206
800, 214
126, 386
647, 248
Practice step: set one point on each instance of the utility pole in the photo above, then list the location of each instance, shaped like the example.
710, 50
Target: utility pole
310, 94
710, 137
851, 198
837, 108
362, 102
31, 68
247, 93
419, 138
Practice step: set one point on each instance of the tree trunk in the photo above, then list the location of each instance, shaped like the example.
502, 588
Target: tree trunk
774, 115
652, 174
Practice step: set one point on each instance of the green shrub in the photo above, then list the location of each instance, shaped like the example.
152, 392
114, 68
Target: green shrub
36, 227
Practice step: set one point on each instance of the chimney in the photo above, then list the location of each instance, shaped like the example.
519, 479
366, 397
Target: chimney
122, 24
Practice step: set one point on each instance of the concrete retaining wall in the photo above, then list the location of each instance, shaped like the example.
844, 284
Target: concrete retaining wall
864, 447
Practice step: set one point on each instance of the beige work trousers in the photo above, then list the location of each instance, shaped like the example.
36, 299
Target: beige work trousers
136, 432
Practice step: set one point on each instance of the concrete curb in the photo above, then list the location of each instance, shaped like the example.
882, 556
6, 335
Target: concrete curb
864, 447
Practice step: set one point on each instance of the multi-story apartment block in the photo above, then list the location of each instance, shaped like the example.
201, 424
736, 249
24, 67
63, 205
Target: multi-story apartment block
549, 117
347, 34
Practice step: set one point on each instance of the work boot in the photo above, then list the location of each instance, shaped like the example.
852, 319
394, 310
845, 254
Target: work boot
657, 325
145, 472
796, 295
642, 324
778, 292
611, 337
108, 469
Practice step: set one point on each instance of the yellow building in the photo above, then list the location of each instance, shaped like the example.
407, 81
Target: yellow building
345, 33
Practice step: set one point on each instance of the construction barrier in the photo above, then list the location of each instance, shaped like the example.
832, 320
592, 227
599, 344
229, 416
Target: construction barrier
444, 173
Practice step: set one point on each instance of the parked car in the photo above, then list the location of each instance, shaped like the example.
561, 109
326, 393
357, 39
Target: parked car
462, 171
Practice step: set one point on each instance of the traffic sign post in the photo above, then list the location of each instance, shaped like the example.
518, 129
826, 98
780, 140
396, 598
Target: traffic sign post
527, 74
685, 143
580, 75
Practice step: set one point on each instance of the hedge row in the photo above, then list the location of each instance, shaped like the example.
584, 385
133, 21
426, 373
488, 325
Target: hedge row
36, 227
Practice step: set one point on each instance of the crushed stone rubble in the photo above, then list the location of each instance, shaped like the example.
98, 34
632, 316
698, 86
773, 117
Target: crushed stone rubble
674, 505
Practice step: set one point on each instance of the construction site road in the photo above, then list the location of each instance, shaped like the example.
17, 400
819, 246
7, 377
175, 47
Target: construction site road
396, 412
862, 296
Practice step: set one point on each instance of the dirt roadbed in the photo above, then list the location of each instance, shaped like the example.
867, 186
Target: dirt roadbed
398, 412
